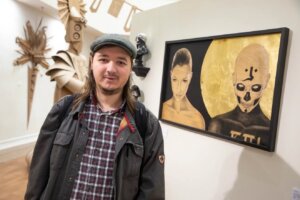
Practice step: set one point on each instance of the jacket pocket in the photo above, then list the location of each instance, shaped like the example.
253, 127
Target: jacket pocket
60, 148
133, 159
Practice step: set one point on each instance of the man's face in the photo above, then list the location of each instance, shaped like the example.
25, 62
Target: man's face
250, 78
180, 80
111, 67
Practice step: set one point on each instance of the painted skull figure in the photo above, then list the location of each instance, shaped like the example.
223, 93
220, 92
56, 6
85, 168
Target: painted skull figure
251, 76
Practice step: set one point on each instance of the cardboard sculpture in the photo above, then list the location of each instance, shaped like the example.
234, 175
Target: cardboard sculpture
70, 67
33, 48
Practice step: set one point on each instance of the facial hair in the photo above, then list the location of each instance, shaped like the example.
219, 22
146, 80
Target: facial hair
109, 92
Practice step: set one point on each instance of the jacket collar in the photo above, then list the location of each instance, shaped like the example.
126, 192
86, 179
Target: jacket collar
128, 120
128, 134
79, 108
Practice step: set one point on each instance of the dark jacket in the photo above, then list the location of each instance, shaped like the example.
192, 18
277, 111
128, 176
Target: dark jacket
139, 165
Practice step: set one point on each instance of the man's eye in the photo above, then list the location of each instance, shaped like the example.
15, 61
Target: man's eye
103, 60
185, 80
174, 79
256, 88
121, 63
240, 87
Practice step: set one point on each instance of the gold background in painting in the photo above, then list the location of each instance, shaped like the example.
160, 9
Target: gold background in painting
217, 68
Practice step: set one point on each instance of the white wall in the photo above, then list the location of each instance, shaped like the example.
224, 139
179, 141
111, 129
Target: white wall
13, 87
197, 166
202, 167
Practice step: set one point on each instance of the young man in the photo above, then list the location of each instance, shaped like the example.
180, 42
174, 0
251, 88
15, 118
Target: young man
95, 150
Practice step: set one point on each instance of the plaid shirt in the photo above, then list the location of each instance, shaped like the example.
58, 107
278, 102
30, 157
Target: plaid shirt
95, 176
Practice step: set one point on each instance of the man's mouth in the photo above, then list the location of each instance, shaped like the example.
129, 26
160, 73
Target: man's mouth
111, 78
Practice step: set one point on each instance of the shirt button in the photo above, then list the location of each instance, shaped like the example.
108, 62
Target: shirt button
77, 155
70, 178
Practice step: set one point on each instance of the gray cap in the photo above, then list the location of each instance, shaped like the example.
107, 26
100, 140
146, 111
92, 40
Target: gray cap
114, 39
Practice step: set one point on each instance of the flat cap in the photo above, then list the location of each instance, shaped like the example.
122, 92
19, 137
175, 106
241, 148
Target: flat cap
114, 39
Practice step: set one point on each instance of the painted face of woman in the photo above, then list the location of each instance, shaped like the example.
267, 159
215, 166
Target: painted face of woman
180, 80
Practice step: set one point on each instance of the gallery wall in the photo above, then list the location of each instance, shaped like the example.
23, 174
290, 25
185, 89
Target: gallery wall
203, 167
197, 166
13, 87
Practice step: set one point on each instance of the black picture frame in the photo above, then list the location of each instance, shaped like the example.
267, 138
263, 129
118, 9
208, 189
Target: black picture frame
231, 89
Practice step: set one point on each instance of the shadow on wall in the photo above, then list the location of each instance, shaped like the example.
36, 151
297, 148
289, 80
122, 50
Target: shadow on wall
262, 175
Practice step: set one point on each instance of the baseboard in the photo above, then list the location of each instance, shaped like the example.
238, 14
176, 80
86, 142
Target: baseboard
16, 147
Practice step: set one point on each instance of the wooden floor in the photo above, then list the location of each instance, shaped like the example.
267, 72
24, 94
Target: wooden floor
13, 179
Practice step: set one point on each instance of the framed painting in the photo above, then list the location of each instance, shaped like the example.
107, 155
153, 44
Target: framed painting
227, 86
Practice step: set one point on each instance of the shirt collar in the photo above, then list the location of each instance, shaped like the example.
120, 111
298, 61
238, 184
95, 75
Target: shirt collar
94, 101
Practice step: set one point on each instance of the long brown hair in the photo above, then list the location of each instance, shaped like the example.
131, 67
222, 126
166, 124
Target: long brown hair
90, 86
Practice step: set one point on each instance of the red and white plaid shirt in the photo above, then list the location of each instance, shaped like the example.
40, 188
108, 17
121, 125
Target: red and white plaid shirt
95, 176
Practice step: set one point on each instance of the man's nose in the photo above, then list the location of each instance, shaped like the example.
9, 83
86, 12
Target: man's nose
111, 66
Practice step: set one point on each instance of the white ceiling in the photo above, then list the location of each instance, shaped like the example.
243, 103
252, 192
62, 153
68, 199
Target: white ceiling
142, 4
150, 4
107, 23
